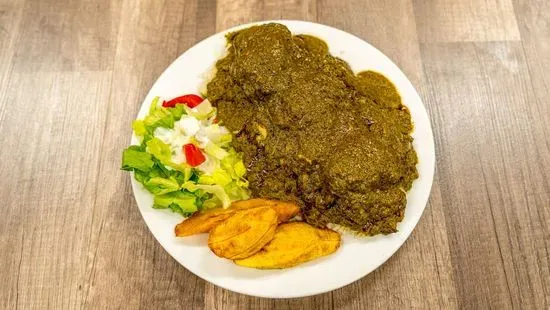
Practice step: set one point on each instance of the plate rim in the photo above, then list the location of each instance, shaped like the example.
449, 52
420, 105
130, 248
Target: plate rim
430, 159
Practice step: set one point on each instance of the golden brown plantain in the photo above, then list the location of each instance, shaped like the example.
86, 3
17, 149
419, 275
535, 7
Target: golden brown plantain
285, 210
294, 243
244, 233
251, 203
204, 221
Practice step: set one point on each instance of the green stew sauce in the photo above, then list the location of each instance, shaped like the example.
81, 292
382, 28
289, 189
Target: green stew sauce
313, 132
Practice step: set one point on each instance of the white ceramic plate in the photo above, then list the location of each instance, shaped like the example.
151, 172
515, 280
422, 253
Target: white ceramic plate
356, 257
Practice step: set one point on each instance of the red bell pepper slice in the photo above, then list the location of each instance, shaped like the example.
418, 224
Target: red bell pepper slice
193, 155
189, 100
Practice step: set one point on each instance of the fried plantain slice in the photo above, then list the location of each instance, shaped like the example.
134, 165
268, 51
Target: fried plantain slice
294, 243
204, 221
285, 210
252, 203
244, 233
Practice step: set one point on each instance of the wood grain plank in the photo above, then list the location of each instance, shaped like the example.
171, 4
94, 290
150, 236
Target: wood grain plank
518, 180
466, 21
49, 200
290, 9
218, 298
474, 247
533, 19
198, 23
10, 24
390, 26
64, 35
424, 257
231, 13
50, 182
128, 268
206, 19
494, 189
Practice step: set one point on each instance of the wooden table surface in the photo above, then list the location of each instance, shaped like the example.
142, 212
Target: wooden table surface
73, 75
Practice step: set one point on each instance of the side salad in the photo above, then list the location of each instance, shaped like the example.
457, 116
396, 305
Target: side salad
185, 158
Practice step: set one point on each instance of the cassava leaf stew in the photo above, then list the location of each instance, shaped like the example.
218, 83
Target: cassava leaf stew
313, 132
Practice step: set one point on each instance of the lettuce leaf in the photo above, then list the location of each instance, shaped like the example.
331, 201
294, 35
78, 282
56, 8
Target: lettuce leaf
234, 165
177, 111
157, 171
203, 111
181, 177
161, 186
155, 105
160, 150
139, 128
219, 177
134, 159
211, 203
239, 168
236, 192
217, 134
216, 190
178, 201
159, 118
215, 151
